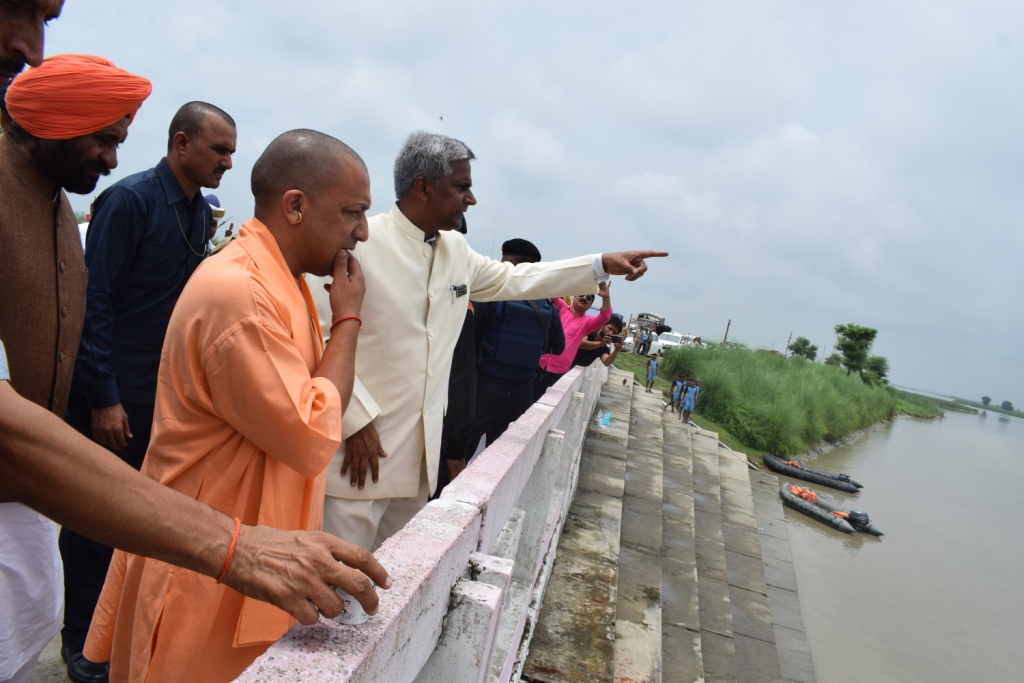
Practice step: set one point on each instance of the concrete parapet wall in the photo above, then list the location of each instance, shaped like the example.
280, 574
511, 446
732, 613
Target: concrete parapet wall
468, 571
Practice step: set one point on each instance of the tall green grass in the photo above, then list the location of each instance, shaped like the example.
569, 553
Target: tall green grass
783, 406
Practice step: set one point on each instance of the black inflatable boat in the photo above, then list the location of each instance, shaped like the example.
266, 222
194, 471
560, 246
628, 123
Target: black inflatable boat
822, 509
793, 469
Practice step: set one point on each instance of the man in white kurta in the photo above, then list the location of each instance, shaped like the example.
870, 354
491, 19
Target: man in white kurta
420, 273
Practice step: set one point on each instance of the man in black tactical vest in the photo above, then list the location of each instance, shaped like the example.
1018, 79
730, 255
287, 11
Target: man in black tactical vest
511, 336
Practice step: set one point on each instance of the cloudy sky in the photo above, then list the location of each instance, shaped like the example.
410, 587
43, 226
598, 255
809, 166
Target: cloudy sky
806, 163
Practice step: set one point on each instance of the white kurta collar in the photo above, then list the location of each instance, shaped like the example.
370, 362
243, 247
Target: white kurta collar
404, 225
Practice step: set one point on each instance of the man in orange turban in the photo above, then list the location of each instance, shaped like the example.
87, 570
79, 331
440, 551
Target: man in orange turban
69, 96
47, 468
53, 141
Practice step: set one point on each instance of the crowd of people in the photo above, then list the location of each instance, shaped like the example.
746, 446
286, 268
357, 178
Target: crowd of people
194, 411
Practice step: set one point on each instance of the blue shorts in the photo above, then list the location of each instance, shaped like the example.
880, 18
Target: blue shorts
688, 404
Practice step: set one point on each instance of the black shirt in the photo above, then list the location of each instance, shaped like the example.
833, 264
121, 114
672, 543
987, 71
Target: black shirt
588, 356
144, 241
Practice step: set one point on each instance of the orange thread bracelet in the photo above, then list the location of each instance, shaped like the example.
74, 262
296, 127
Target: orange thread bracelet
348, 317
231, 551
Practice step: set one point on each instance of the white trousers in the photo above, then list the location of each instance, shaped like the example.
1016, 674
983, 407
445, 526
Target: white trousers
22, 674
31, 587
368, 523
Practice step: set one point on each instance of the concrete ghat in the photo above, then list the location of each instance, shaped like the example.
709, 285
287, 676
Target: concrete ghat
673, 565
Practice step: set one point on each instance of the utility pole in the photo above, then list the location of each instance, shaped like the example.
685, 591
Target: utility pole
786, 354
726, 337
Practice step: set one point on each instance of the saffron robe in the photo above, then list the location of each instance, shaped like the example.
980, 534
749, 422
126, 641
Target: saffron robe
241, 425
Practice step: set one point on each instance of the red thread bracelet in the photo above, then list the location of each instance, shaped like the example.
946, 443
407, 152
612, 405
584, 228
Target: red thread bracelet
348, 317
231, 551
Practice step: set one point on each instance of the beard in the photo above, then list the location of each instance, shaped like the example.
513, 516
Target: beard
12, 66
8, 66
61, 162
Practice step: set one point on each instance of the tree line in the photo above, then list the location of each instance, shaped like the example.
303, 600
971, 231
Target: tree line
1005, 405
853, 344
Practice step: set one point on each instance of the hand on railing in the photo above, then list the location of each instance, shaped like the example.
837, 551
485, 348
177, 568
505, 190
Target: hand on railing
297, 570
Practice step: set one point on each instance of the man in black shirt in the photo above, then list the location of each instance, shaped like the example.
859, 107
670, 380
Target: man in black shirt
601, 344
511, 336
147, 235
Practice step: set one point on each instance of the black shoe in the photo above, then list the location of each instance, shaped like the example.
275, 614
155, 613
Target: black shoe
81, 670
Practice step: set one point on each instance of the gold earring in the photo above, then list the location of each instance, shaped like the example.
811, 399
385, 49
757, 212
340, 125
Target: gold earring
300, 216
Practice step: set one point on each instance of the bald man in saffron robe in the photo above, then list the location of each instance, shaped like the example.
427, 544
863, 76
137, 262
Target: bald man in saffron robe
246, 383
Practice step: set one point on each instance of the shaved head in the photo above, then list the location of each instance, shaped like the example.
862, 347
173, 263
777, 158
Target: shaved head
301, 159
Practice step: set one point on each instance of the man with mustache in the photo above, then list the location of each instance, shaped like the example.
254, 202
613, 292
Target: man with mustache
420, 273
21, 35
47, 469
147, 235
48, 146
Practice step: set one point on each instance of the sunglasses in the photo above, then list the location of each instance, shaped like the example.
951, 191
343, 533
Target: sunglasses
586, 297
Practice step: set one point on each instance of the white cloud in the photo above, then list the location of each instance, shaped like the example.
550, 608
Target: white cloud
806, 163
525, 147
666, 194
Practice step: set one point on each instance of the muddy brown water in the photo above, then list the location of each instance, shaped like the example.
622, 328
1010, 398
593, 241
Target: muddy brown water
940, 597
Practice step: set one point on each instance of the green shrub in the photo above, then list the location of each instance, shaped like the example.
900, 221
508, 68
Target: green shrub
784, 406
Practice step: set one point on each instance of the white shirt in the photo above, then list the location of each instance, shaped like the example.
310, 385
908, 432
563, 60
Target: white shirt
415, 305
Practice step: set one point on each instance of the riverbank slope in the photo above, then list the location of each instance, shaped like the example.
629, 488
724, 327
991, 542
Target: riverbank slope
764, 403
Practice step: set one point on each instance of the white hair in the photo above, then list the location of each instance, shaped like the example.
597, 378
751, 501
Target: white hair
428, 155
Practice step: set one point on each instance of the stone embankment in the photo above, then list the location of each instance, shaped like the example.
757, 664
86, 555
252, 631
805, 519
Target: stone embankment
674, 563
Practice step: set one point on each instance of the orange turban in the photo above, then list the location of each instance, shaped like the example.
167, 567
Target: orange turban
68, 96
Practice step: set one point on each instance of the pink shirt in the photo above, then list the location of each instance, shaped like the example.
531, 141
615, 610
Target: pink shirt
576, 327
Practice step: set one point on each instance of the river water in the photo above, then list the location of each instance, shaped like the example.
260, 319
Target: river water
940, 597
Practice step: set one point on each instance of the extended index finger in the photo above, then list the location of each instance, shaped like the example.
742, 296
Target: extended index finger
649, 254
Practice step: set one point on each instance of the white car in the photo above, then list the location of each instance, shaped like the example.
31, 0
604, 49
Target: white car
665, 340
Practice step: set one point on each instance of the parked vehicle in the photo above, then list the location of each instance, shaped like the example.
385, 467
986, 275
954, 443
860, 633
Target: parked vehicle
665, 340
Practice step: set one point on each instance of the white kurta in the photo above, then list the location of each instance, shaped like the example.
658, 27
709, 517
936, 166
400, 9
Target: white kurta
411, 322
31, 586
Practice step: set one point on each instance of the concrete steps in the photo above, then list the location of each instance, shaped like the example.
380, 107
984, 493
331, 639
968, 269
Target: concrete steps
674, 563
574, 638
682, 659
638, 620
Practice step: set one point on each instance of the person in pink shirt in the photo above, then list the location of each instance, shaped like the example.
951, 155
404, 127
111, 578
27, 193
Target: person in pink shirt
576, 325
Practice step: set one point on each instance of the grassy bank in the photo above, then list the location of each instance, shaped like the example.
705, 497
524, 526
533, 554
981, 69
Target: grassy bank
784, 406
631, 362
965, 404
927, 402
